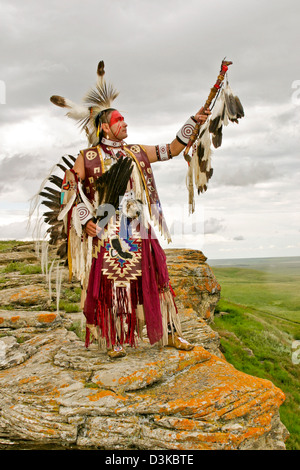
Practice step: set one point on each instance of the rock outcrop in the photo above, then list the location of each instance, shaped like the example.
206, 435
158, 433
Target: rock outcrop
56, 394
194, 282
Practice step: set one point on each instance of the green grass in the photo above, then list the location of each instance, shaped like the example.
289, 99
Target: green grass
277, 293
8, 245
69, 307
70, 301
257, 331
76, 327
23, 267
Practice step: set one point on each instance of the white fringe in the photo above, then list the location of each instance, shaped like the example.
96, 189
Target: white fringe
59, 272
44, 257
50, 279
170, 316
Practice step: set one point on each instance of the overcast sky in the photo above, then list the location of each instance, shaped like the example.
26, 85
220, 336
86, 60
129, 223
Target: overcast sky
163, 56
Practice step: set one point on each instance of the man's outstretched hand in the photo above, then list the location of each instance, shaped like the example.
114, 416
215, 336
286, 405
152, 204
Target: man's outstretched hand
202, 115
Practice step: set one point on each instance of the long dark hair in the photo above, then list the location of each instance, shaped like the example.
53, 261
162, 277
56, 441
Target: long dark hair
103, 117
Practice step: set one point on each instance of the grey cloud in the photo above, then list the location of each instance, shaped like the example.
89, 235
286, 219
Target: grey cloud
19, 167
163, 57
21, 176
15, 231
153, 50
213, 225
246, 173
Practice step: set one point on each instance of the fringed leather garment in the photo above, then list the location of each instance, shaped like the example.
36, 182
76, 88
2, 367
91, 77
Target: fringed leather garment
128, 286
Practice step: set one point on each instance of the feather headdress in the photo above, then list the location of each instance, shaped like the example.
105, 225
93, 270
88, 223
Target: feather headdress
96, 100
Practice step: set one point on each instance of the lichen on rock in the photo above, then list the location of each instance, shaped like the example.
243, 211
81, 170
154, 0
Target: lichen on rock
56, 393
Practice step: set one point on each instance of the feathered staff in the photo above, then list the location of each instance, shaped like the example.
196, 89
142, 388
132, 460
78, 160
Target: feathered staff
225, 107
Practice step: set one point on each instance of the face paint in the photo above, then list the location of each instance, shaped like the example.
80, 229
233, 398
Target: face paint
115, 117
116, 123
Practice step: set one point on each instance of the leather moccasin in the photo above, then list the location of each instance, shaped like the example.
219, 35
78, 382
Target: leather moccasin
116, 351
177, 342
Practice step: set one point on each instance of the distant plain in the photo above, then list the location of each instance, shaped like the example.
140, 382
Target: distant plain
258, 319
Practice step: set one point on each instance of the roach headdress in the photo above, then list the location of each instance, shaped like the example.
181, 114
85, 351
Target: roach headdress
95, 101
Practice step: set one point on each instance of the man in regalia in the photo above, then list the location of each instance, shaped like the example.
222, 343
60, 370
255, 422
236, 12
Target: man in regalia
109, 204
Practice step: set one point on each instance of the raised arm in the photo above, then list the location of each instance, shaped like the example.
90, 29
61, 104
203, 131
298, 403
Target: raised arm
167, 151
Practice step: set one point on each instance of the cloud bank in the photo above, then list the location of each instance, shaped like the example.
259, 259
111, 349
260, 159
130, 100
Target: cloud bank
163, 57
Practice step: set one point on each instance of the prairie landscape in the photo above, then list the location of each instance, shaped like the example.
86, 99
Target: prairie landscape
258, 319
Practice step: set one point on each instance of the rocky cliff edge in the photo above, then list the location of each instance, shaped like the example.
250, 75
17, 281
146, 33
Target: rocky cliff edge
57, 394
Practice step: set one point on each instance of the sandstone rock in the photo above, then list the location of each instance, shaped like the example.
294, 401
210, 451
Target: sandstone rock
21, 319
24, 295
13, 256
11, 353
14, 280
55, 393
193, 281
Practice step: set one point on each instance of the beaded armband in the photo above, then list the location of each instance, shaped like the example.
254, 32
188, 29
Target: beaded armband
163, 152
184, 134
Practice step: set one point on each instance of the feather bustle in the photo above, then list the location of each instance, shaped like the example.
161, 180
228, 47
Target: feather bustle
67, 162
52, 191
56, 180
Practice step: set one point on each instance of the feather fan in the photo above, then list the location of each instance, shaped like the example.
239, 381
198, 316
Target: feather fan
112, 185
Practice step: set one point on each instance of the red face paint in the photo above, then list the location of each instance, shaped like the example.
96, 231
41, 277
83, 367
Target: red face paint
115, 117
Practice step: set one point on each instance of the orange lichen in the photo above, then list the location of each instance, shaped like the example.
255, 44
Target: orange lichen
148, 376
46, 317
23, 294
51, 432
187, 358
226, 397
104, 393
55, 392
15, 319
27, 380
